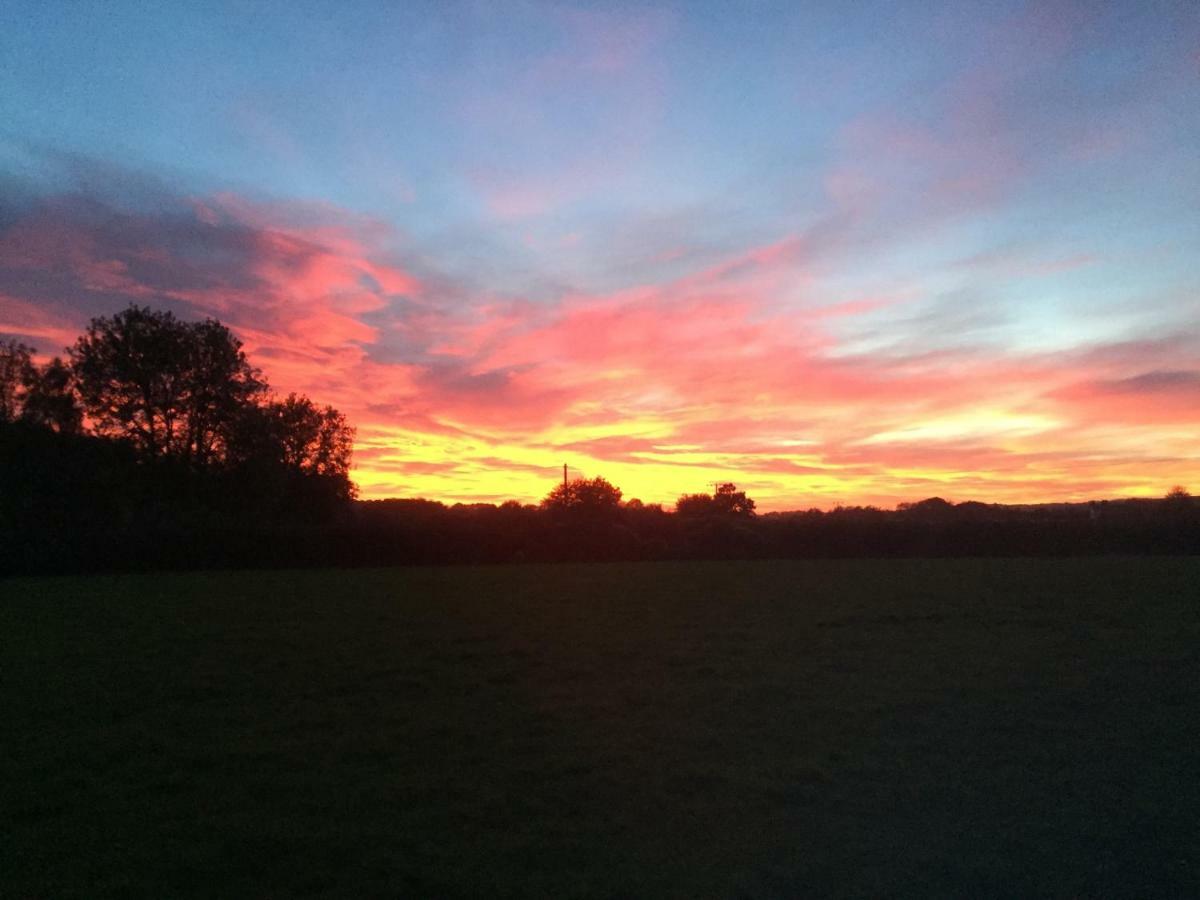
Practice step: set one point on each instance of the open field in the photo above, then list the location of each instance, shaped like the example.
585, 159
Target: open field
925, 727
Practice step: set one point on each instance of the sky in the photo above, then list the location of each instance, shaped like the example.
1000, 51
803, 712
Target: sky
836, 253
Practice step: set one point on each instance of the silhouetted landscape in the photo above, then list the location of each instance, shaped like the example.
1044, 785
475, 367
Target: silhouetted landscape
591, 449
188, 462
640, 701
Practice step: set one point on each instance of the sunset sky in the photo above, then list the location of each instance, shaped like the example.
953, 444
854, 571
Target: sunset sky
833, 252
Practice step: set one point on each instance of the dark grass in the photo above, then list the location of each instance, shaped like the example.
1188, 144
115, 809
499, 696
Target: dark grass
965, 727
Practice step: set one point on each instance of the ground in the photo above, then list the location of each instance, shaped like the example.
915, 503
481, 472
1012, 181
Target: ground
918, 727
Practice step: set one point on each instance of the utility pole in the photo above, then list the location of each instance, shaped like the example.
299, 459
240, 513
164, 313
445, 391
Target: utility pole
564, 476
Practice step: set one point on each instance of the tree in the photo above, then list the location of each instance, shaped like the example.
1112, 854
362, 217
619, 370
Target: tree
1178, 500
583, 495
16, 369
221, 384
315, 440
932, 509
50, 399
171, 388
294, 436
726, 501
694, 505
43, 396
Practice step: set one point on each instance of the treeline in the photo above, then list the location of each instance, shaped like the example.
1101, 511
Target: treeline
387, 532
155, 444
116, 513
222, 525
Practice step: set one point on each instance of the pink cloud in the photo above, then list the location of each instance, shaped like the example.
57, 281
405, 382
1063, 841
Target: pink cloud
27, 320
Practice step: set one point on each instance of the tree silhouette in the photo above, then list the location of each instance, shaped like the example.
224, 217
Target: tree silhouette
294, 436
314, 440
694, 505
583, 495
1179, 505
16, 371
171, 388
50, 400
43, 396
726, 501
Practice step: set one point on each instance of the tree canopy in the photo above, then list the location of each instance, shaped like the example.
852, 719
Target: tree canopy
584, 495
50, 399
39, 395
16, 369
727, 500
295, 436
184, 394
172, 388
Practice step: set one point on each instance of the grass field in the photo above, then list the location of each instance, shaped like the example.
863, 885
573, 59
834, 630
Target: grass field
909, 727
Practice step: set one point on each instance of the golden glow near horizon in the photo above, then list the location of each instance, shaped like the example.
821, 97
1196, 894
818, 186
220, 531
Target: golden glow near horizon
472, 470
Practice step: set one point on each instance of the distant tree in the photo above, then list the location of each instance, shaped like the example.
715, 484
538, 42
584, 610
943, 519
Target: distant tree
929, 504
1179, 503
172, 388
16, 371
50, 399
1179, 508
930, 509
583, 495
726, 501
694, 505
